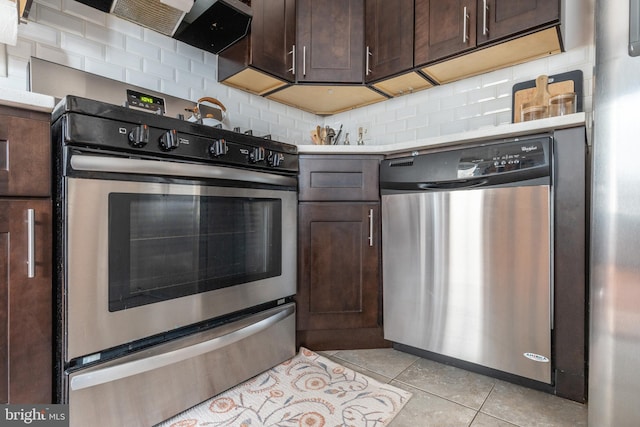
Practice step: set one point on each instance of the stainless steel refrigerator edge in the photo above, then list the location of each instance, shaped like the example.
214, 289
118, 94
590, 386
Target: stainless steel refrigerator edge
614, 373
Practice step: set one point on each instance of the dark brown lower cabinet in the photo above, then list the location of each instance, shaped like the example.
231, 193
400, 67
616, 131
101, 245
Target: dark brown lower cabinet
25, 303
339, 289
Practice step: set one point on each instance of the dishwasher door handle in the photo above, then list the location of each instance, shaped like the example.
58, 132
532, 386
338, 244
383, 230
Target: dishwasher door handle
451, 185
436, 185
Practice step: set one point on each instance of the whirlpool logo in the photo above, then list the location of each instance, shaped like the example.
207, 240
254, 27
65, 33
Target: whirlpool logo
529, 148
536, 357
35, 415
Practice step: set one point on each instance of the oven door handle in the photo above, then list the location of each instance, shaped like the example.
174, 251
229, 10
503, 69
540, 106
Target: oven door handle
82, 162
139, 366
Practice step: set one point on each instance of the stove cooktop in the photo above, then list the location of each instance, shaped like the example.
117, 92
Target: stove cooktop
133, 132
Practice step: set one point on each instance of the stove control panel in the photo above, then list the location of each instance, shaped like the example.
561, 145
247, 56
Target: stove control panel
124, 131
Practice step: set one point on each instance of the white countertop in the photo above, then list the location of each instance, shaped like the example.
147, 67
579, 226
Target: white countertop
27, 100
497, 132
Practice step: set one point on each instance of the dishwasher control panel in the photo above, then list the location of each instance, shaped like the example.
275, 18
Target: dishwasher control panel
503, 157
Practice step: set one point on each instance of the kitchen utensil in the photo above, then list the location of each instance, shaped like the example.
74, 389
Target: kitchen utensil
331, 133
210, 115
315, 138
335, 141
361, 132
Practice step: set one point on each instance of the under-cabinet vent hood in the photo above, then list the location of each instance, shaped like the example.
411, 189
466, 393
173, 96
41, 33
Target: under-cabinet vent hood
211, 25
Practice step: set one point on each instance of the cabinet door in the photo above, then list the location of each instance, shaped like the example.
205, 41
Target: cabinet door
388, 38
273, 36
339, 273
330, 41
502, 18
25, 303
24, 156
443, 28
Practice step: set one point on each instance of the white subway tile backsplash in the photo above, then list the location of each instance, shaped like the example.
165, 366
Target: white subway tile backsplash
188, 80
84, 12
157, 39
24, 49
190, 51
123, 26
467, 112
457, 126
155, 68
439, 117
82, 46
62, 21
59, 56
466, 85
485, 94
53, 4
140, 48
200, 68
19, 68
396, 126
142, 79
126, 59
427, 132
481, 122
406, 112
103, 35
172, 59
418, 121
497, 77
268, 116
39, 33
249, 111
170, 87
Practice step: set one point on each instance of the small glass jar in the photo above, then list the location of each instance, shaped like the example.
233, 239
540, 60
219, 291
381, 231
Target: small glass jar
561, 104
533, 112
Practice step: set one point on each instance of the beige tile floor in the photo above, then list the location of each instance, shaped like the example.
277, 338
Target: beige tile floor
444, 396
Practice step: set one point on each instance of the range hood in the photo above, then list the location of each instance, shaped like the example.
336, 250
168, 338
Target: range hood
211, 25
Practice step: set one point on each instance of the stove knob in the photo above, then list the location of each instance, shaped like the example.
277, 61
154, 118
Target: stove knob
169, 140
256, 155
139, 136
218, 148
275, 159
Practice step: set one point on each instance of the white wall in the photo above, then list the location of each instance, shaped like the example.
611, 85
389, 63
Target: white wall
69, 33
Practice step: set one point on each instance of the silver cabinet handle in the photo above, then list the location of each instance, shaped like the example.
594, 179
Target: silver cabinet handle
485, 13
304, 61
370, 227
31, 243
465, 17
366, 66
293, 60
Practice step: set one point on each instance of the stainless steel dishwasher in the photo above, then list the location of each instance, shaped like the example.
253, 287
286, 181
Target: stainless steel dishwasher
467, 254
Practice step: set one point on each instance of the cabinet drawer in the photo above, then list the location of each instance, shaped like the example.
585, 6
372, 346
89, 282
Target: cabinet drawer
25, 153
338, 178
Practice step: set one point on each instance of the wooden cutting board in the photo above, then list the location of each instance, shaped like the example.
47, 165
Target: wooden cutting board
525, 92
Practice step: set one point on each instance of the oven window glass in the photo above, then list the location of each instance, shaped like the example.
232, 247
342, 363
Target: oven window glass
167, 246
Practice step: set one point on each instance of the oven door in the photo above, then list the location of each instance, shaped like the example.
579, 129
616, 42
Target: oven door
143, 257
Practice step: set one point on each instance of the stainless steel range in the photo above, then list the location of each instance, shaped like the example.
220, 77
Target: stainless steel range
176, 260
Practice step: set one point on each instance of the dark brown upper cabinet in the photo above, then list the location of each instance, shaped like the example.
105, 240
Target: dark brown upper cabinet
388, 38
330, 41
443, 28
498, 19
263, 61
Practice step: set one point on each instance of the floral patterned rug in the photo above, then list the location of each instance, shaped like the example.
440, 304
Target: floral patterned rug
307, 391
